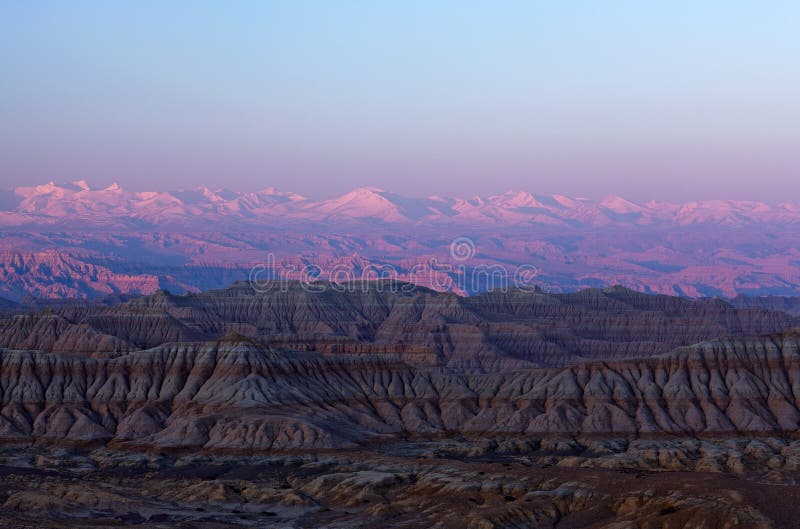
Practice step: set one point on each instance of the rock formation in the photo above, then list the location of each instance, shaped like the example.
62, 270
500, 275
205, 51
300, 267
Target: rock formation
491, 332
404, 407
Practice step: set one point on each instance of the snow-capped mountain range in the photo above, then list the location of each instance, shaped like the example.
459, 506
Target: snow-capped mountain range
114, 205
69, 240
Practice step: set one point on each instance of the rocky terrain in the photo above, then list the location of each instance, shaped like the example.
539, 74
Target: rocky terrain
235, 395
448, 485
495, 331
391, 405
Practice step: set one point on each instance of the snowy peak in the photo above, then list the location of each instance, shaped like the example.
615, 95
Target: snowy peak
515, 199
275, 194
618, 204
363, 202
114, 205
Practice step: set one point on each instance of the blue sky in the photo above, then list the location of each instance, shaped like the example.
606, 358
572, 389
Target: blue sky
673, 100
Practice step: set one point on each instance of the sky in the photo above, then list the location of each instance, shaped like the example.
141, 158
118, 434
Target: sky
669, 100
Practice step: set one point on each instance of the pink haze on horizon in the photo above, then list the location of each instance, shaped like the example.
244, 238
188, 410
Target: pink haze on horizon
678, 101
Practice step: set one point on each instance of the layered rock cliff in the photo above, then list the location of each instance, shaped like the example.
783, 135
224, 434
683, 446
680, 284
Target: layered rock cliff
235, 394
498, 331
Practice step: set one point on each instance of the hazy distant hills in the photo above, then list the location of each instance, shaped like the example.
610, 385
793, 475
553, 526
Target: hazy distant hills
69, 240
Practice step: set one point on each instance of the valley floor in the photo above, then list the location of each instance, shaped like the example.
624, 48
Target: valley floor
445, 483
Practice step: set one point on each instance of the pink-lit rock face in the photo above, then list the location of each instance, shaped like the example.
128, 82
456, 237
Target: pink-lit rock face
69, 240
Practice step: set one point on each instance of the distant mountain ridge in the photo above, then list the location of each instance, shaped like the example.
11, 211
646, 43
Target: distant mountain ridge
76, 201
73, 241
